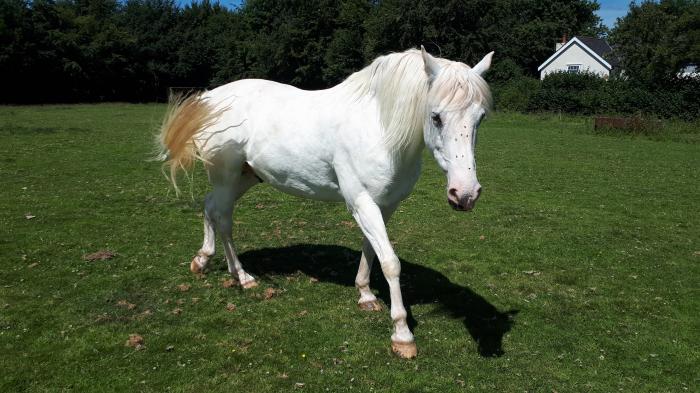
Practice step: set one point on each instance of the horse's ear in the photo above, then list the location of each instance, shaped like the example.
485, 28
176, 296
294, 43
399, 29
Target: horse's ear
431, 65
483, 65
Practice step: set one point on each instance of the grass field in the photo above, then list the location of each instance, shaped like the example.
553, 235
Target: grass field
578, 271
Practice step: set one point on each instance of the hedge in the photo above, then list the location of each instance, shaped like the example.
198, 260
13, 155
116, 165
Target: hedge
588, 94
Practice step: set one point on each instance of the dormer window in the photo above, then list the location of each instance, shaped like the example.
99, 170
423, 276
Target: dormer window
573, 68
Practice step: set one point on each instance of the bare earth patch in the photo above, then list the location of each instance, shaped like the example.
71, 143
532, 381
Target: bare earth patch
229, 283
135, 341
126, 304
101, 255
270, 293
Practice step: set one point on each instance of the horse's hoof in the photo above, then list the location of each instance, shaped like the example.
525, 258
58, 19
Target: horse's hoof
195, 267
404, 350
249, 284
371, 305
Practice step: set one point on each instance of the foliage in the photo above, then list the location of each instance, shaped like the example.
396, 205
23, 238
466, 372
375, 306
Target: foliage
656, 39
516, 94
96, 50
73, 50
588, 94
569, 92
593, 240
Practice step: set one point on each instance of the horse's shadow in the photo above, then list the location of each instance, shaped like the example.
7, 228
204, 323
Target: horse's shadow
485, 323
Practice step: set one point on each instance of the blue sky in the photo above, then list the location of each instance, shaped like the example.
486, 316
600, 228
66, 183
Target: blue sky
609, 11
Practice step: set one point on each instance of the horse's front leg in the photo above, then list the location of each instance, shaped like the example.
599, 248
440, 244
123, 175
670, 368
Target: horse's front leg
369, 217
368, 301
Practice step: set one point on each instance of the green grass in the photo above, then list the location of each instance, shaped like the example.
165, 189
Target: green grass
585, 279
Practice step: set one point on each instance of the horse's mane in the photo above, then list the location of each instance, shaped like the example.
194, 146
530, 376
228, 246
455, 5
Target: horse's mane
400, 85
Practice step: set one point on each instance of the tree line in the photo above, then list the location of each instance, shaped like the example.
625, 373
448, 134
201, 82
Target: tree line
134, 50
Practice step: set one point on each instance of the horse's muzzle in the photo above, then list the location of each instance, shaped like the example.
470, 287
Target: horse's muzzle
464, 202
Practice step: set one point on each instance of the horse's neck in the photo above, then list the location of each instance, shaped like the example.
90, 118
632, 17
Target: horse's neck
409, 156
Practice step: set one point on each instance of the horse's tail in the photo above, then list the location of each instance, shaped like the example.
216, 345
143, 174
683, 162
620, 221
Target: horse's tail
185, 118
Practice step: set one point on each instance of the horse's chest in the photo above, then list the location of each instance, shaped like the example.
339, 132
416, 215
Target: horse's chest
392, 184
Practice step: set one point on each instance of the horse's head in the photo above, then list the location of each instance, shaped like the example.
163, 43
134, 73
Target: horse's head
458, 99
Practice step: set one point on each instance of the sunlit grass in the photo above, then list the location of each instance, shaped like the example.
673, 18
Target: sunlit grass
578, 270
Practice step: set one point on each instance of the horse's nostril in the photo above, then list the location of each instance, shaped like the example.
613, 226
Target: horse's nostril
478, 191
453, 193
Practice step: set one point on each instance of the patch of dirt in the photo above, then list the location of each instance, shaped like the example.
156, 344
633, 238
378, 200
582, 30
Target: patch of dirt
101, 255
103, 318
229, 283
348, 224
184, 287
270, 293
135, 341
176, 311
126, 304
230, 307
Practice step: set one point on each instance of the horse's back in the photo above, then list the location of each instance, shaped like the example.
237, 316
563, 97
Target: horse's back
282, 132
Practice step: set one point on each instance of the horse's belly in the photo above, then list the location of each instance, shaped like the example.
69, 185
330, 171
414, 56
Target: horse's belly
305, 190
308, 181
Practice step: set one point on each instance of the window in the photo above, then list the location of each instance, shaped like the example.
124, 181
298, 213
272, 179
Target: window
573, 68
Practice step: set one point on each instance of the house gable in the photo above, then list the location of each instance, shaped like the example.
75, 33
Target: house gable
578, 43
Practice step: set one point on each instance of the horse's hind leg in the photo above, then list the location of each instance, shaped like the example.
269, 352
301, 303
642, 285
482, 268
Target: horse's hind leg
367, 300
229, 186
200, 261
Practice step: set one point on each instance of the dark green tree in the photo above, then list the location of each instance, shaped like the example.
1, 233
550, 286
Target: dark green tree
287, 40
655, 39
345, 52
524, 31
150, 25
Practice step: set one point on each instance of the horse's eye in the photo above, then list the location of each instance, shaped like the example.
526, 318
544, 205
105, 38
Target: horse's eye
437, 121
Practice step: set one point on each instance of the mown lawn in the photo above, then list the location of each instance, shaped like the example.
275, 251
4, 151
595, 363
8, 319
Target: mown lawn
578, 270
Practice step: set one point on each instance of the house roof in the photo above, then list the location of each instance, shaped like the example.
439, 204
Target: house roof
597, 48
597, 45
601, 48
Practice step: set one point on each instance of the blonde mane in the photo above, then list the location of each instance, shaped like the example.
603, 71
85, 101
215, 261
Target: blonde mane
402, 89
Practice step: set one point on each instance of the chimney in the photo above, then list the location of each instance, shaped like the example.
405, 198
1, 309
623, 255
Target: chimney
564, 39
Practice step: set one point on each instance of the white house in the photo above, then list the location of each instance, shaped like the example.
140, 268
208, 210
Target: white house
690, 70
580, 54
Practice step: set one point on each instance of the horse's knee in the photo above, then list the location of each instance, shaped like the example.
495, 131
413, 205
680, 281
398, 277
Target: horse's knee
391, 267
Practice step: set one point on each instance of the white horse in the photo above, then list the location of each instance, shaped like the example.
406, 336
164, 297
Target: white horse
359, 142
